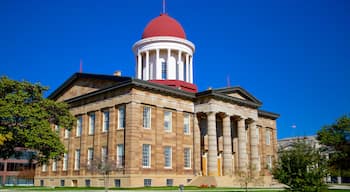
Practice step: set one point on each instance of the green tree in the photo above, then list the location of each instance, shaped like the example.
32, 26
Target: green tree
301, 167
336, 138
26, 118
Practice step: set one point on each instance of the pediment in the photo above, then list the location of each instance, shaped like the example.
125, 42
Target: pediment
238, 93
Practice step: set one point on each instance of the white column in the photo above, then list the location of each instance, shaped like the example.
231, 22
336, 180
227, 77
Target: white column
168, 67
254, 149
212, 145
180, 67
148, 66
227, 146
191, 69
139, 66
158, 66
242, 146
187, 68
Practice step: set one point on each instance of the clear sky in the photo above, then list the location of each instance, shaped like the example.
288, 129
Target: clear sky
293, 55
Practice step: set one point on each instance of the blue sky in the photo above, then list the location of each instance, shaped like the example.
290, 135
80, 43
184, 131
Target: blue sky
293, 55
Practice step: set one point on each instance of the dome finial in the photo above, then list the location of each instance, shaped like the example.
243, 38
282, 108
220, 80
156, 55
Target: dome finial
163, 12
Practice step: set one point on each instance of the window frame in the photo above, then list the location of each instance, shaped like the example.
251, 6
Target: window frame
90, 155
105, 121
79, 128
121, 122
77, 160
120, 158
168, 160
146, 161
268, 136
168, 121
147, 117
187, 150
187, 121
92, 123
65, 162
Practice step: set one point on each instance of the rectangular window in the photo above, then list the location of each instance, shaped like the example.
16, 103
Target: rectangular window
167, 121
87, 183
44, 167
92, 118
164, 70
54, 165
147, 182
104, 153
120, 155
121, 117
79, 126
65, 162
146, 155
147, 117
57, 129
77, 160
187, 158
269, 162
268, 133
90, 156
62, 182
66, 133
186, 124
167, 157
105, 118
169, 182
117, 182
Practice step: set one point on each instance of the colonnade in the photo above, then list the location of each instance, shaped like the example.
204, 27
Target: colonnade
178, 65
245, 162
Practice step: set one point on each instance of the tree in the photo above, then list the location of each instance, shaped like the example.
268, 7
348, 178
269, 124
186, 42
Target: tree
26, 118
336, 138
301, 167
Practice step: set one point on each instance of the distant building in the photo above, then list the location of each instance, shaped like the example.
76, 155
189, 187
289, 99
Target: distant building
18, 169
287, 142
156, 128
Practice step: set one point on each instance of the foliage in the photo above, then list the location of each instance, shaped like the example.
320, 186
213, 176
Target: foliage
301, 167
336, 138
26, 118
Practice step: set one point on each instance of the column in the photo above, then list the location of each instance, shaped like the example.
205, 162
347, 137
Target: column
254, 149
187, 68
139, 66
197, 145
212, 145
191, 69
242, 146
168, 67
158, 66
180, 67
148, 66
227, 146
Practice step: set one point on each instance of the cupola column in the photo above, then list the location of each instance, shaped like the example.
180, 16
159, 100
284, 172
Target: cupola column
148, 66
187, 68
180, 67
158, 66
191, 69
139, 66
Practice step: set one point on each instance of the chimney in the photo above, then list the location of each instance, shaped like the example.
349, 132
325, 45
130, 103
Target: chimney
117, 73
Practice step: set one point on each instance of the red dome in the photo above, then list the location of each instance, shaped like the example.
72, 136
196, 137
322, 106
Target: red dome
163, 25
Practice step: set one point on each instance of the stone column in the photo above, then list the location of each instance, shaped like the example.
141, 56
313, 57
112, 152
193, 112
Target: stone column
197, 145
254, 149
158, 66
227, 146
139, 66
212, 145
187, 68
242, 146
179, 67
191, 69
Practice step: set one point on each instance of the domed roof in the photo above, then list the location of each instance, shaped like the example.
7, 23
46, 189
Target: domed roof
163, 25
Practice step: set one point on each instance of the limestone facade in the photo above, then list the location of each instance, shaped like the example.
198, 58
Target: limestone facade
151, 134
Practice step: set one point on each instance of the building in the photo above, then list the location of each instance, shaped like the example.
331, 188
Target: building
156, 128
19, 169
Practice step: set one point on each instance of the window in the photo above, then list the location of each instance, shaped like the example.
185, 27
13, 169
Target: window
57, 129
164, 70
187, 158
62, 182
54, 165
117, 182
66, 133
41, 183
120, 155
90, 156
121, 117
169, 182
269, 162
167, 157
186, 124
87, 183
147, 182
105, 118
167, 121
44, 167
146, 155
268, 133
91, 123
104, 153
147, 117
77, 160
79, 126
65, 162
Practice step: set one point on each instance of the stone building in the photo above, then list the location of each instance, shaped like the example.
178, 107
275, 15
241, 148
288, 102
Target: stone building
156, 129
